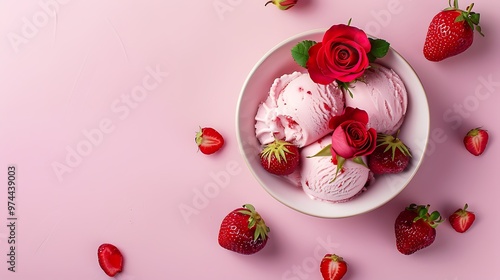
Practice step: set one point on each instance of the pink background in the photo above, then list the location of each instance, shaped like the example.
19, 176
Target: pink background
100, 159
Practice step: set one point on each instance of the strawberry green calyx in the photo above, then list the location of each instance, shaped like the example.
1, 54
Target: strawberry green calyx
199, 137
474, 132
333, 257
433, 219
282, 4
463, 212
278, 149
393, 143
470, 17
255, 220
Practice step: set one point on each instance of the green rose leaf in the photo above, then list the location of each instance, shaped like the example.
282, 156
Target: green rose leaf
340, 164
326, 151
359, 160
300, 52
379, 49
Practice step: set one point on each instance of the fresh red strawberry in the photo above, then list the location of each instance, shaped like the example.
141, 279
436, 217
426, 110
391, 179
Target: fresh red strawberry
243, 231
390, 156
333, 267
451, 32
110, 259
475, 141
280, 157
209, 140
462, 219
415, 228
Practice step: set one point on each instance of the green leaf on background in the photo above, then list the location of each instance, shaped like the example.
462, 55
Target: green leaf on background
379, 49
300, 52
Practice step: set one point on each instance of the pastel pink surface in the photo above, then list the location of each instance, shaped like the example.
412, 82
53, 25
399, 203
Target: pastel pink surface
114, 92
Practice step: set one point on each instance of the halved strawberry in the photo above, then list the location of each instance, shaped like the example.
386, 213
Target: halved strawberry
476, 140
280, 157
209, 140
462, 219
110, 259
390, 156
333, 267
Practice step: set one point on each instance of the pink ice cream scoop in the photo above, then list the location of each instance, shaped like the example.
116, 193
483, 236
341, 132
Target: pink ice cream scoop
318, 173
382, 94
297, 110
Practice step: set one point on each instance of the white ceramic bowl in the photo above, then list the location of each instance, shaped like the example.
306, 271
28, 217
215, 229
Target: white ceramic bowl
279, 61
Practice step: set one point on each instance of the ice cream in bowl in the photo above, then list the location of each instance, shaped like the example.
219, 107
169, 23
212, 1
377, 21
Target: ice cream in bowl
346, 101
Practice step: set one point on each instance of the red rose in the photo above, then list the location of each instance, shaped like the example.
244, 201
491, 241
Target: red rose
342, 55
351, 137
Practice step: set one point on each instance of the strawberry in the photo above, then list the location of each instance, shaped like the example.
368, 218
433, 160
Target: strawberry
475, 141
451, 32
333, 267
282, 4
280, 157
243, 231
209, 140
390, 156
462, 219
415, 228
110, 259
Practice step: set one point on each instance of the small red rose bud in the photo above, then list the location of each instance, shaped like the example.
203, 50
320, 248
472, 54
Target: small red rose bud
283, 4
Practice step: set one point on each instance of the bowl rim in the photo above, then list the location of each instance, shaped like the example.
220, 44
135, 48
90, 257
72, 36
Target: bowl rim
264, 57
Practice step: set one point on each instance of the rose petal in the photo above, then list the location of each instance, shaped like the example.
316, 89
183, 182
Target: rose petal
356, 114
356, 133
352, 69
332, 49
362, 39
313, 66
345, 56
370, 143
342, 55
349, 113
347, 77
349, 32
340, 146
